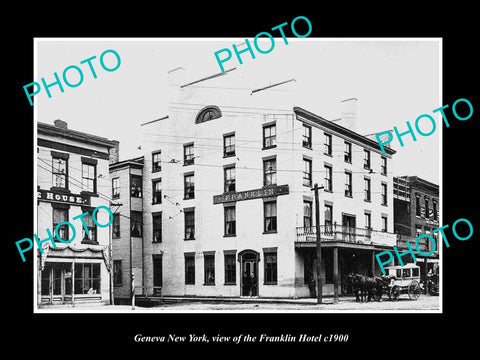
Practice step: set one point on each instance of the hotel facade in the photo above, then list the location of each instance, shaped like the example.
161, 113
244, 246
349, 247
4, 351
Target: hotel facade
72, 179
228, 207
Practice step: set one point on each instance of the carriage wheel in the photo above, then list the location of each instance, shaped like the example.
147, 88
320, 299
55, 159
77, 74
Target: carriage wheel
394, 293
414, 290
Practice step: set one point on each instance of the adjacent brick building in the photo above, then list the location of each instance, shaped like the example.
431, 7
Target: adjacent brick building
72, 179
416, 212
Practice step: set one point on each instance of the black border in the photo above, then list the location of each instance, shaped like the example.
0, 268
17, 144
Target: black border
369, 334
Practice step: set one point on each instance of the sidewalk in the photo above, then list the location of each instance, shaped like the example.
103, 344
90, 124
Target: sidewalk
249, 300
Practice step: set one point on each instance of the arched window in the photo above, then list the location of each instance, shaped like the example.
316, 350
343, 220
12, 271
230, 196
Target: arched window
208, 113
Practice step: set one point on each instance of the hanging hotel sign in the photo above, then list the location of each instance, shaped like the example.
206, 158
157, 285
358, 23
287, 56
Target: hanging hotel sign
251, 194
52, 196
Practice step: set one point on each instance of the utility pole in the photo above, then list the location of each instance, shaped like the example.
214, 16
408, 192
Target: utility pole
319, 246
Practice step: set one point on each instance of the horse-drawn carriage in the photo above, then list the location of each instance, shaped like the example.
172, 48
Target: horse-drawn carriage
396, 281
402, 280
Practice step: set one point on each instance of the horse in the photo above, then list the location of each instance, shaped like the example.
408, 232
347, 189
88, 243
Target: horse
364, 287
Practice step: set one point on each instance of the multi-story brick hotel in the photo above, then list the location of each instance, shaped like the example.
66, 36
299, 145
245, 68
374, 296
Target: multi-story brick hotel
228, 207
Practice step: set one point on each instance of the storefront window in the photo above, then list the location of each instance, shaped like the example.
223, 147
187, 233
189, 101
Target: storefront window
87, 279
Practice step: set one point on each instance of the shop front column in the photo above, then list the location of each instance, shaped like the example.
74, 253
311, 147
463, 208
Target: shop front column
373, 263
335, 273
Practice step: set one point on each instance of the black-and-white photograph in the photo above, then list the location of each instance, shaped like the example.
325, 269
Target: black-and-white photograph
218, 177
286, 174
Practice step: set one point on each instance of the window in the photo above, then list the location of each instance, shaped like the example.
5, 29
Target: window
189, 224
89, 235
427, 208
117, 273
328, 144
383, 169
270, 216
229, 145
188, 157
229, 178
269, 136
208, 113
384, 194
384, 223
87, 278
270, 274
368, 221
435, 214
230, 269
307, 172
230, 220
328, 178
157, 191
367, 189
270, 172
157, 227
157, 271
189, 187
366, 159
209, 269
418, 230
116, 226
115, 188
348, 152
328, 218
136, 223
189, 269
307, 214
59, 172
136, 186
156, 161
417, 205
89, 177
307, 136
60, 215
348, 184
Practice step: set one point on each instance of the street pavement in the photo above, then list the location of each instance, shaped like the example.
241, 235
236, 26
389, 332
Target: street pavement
425, 303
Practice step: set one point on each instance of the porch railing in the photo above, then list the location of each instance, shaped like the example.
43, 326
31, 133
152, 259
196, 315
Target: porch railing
342, 233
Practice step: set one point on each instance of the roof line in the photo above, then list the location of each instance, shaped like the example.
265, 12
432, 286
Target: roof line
75, 134
334, 126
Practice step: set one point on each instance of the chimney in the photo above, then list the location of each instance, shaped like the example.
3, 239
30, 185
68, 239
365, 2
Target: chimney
175, 78
114, 153
349, 108
60, 124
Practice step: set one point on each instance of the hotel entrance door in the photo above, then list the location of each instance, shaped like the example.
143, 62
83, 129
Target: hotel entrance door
249, 274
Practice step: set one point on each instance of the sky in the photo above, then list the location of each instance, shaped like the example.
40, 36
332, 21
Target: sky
394, 80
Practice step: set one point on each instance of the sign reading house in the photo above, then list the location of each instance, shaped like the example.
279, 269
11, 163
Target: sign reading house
52, 196
251, 194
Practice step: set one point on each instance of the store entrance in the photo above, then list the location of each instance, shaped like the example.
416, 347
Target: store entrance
56, 285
